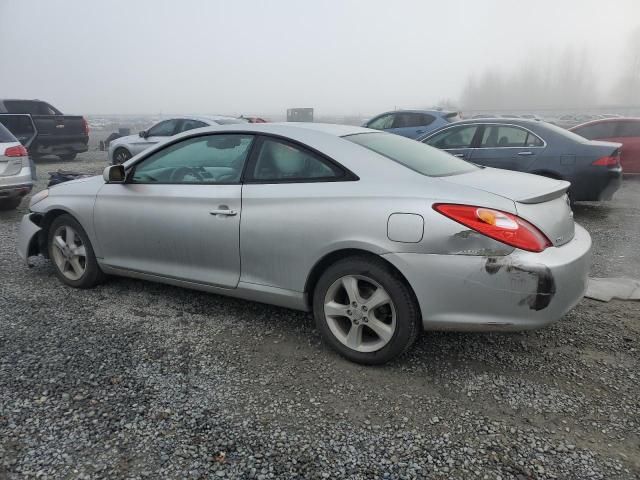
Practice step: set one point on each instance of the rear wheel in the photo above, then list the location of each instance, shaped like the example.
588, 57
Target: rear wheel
10, 203
365, 311
68, 156
121, 155
72, 255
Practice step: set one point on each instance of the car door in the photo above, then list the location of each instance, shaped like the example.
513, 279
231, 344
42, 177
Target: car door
506, 146
160, 131
178, 213
458, 140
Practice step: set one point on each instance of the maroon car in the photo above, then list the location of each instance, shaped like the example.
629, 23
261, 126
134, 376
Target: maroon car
622, 130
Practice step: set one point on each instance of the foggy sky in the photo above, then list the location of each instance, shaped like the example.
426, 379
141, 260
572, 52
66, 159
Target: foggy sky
260, 57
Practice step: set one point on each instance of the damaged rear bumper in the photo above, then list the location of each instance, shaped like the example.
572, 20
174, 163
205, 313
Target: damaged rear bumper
520, 291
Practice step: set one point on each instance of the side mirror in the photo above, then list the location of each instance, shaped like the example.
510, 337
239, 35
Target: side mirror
143, 134
114, 174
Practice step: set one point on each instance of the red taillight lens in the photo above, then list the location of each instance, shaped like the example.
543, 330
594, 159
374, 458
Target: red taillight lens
611, 161
18, 151
85, 126
501, 226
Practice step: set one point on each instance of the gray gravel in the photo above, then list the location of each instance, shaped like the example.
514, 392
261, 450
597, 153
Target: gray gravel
140, 380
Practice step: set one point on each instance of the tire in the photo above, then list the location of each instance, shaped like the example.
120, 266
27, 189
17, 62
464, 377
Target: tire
89, 273
10, 203
121, 155
400, 315
68, 156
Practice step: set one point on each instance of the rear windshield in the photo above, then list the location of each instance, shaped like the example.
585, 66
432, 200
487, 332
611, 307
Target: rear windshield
32, 107
414, 155
6, 136
565, 133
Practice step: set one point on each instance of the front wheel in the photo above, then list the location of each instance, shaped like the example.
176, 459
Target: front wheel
365, 310
121, 155
72, 254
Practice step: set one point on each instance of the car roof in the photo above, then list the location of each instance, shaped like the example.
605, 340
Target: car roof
207, 118
607, 120
506, 120
288, 128
433, 111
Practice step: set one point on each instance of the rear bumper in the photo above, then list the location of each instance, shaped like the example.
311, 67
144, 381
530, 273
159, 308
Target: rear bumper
59, 146
597, 186
16, 185
520, 291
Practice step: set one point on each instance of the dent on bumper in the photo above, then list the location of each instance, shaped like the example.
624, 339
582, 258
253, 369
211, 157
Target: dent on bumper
27, 233
519, 291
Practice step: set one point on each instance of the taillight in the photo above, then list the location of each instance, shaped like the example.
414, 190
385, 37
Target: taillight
611, 161
501, 226
17, 151
85, 125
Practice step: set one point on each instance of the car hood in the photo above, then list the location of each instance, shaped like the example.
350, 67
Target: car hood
85, 184
516, 186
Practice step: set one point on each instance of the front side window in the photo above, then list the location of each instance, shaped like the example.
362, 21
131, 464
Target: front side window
500, 136
191, 124
208, 159
597, 130
381, 123
456, 137
279, 160
414, 155
166, 128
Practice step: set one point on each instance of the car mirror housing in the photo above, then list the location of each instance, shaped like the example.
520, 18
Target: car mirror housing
143, 134
114, 174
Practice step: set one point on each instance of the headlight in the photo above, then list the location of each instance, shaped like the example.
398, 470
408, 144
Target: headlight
41, 195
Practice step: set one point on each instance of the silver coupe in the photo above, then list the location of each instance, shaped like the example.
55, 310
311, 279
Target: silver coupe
378, 235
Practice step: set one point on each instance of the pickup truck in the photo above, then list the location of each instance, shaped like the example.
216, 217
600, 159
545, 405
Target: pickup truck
43, 129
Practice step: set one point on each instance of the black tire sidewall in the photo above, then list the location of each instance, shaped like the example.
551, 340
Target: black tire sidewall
407, 312
9, 203
92, 274
124, 151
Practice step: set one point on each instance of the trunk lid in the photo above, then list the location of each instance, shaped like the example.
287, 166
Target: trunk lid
539, 200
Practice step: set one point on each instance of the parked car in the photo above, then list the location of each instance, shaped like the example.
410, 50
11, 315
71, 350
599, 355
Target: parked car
412, 123
43, 129
378, 235
253, 119
123, 148
531, 146
623, 130
16, 178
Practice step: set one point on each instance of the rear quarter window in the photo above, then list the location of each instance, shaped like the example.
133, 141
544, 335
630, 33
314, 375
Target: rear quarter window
6, 136
414, 155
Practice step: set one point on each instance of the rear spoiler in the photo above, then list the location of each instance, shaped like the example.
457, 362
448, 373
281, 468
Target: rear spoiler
558, 190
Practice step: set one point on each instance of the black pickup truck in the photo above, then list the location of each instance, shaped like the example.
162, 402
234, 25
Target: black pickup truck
43, 129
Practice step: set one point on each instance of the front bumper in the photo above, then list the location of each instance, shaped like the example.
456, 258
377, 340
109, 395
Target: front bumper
520, 291
27, 238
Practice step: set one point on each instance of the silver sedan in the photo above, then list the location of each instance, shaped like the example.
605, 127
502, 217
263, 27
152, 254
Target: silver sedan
378, 235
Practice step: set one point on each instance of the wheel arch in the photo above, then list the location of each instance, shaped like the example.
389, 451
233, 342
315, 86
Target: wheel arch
548, 174
330, 258
45, 222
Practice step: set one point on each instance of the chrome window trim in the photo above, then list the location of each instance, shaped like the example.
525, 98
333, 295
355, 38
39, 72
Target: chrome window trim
486, 148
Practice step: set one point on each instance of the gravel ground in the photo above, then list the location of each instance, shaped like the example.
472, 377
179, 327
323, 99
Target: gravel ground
140, 380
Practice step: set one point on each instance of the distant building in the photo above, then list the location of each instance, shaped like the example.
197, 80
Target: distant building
300, 115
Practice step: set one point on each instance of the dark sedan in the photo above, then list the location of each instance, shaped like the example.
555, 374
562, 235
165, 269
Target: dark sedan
532, 146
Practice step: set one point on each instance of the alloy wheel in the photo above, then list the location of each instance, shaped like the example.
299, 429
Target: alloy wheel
360, 313
69, 253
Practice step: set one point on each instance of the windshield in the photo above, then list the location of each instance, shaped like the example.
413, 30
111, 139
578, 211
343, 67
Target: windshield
414, 155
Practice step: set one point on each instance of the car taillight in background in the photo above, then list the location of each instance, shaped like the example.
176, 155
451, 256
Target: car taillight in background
17, 151
85, 125
611, 161
501, 226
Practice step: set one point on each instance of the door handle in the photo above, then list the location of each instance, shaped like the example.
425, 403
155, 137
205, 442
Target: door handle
224, 211
524, 154
459, 155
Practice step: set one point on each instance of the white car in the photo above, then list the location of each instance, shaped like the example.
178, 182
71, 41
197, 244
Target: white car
123, 148
16, 179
